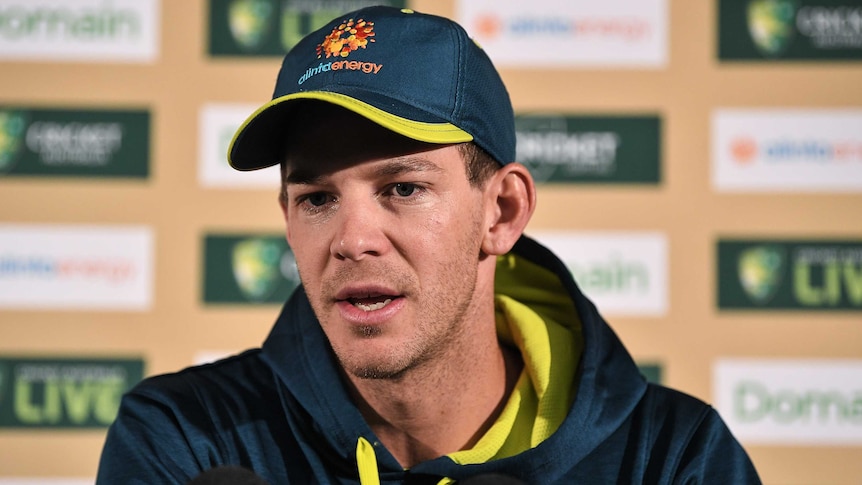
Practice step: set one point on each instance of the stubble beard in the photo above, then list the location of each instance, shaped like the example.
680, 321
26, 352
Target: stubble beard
439, 328
441, 317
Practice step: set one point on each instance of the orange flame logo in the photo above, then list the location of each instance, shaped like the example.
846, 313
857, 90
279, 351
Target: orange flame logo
346, 38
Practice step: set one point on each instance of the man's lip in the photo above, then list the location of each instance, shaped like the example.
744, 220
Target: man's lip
355, 292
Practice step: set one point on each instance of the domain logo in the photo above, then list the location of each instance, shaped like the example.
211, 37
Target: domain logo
346, 38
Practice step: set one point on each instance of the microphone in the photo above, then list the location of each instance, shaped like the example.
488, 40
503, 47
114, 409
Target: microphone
228, 475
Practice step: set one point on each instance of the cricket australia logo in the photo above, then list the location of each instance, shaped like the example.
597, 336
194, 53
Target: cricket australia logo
761, 270
12, 127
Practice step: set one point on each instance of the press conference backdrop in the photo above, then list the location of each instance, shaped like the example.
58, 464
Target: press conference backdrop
699, 167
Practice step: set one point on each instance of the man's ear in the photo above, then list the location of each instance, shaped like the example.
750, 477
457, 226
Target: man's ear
510, 199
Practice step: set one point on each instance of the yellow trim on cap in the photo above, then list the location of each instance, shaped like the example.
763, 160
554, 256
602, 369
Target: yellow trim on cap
443, 133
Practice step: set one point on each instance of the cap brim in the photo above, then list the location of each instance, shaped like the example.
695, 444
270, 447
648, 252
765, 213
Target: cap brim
259, 141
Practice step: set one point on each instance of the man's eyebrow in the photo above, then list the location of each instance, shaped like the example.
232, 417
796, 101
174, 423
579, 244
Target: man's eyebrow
394, 167
303, 177
407, 164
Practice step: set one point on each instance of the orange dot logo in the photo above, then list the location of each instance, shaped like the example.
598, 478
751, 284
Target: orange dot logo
488, 26
346, 38
743, 150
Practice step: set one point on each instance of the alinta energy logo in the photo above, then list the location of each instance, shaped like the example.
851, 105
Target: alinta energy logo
260, 265
250, 22
745, 150
46, 267
761, 270
491, 26
770, 24
13, 125
350, 36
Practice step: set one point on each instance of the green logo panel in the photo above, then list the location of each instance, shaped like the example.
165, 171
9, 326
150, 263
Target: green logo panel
651, 371
261, 28
790, 275
793, 30
248, 269
64, 393
74, 143
590, 149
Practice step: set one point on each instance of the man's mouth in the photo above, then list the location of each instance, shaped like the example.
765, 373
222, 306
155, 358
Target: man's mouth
371, 303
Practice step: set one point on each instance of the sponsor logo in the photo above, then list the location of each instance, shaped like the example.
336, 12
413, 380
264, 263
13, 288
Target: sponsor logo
79, 30
786, 402
578, 149
272, 27
761, 269
549, 33
217, 125
790, 29
344, 39
85, 143
746, 150
250, 21
623, 273
803, 275
492, 25
249, 269
64, 393
830, 27
258, 264
770, 24
74, 143
68, 267
13, 125
787, 150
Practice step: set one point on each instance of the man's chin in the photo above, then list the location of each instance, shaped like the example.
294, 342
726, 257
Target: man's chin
378, 373
371, 370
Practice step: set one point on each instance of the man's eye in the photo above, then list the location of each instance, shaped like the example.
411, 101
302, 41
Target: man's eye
317, 199
405, 189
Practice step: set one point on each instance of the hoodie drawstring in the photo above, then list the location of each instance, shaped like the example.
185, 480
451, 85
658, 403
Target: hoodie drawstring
366, 460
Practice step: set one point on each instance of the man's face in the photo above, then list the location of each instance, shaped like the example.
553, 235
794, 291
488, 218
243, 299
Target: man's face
386, 232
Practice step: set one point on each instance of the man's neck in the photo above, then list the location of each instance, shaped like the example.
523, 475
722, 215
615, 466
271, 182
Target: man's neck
444, 406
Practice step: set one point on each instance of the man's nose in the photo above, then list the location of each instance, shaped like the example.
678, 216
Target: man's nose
359, 231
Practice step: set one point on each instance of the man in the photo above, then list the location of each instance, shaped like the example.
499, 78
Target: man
430, 342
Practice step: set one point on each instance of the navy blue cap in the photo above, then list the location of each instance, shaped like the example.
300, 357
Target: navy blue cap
418, 75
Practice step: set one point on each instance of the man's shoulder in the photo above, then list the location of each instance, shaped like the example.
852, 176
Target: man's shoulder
662, 404
672, 418
243, 376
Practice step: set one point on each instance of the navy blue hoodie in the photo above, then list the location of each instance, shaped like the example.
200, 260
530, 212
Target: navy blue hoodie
283, 412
